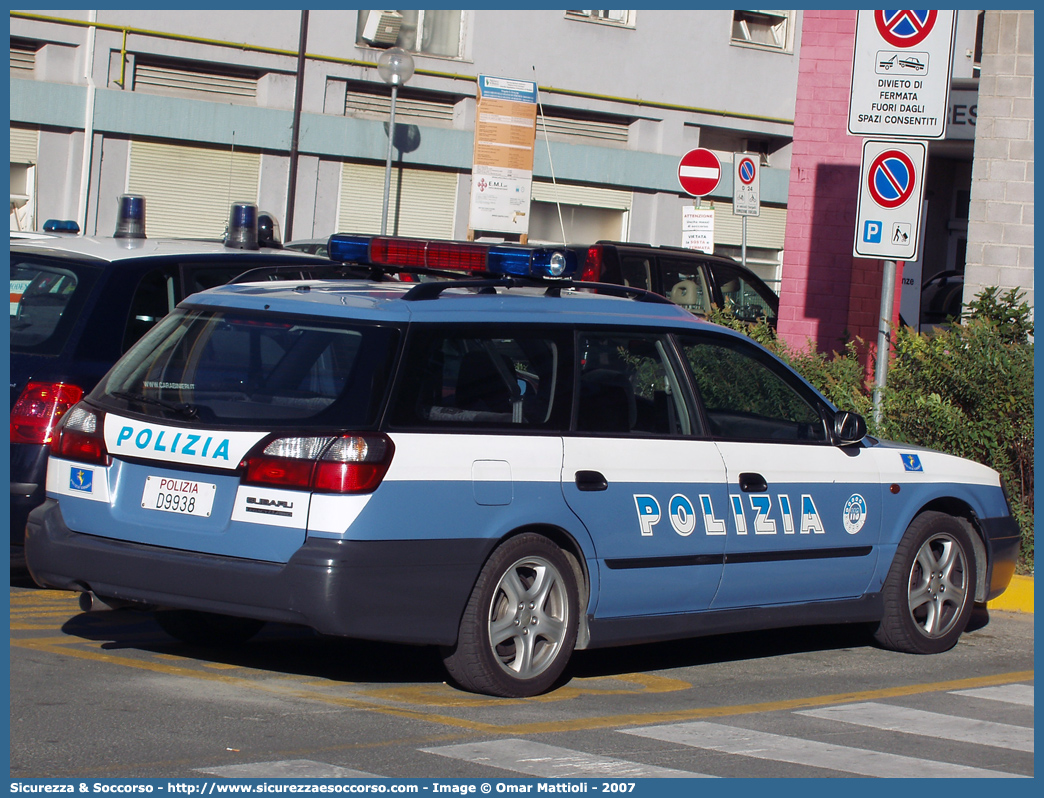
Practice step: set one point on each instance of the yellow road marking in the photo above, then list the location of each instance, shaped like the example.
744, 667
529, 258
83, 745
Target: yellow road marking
282, 689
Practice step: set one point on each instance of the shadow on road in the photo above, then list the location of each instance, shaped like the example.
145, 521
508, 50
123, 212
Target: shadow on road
283, 648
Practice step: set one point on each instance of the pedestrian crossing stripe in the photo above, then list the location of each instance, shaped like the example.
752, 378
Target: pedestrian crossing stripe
537, 759
549, 761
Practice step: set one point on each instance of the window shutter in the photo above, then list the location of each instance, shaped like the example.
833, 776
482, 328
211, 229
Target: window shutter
426, 205
189, 190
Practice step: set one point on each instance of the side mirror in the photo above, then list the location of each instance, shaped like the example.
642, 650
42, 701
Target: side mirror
849, 427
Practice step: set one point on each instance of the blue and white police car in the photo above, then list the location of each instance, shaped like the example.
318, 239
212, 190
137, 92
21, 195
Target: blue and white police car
507, 469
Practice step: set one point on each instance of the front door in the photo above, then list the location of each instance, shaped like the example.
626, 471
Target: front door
804, 518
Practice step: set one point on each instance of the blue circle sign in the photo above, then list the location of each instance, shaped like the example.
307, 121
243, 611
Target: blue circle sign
891, 179
747, 171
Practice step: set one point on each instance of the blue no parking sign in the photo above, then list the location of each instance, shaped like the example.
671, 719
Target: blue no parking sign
891, 189
892, 178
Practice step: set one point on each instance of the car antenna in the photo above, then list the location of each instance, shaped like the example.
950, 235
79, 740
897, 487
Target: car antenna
231, 165
543, 124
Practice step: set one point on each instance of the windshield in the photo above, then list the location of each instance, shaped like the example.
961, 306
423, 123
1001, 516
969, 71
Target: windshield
236, 369
46, 300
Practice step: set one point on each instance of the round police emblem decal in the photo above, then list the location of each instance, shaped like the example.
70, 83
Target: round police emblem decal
855, 514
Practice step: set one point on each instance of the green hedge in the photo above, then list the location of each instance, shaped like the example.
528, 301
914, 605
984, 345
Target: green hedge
966, 389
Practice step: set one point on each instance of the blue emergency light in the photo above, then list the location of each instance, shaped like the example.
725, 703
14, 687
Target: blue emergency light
242, 226
61, 226
130, 216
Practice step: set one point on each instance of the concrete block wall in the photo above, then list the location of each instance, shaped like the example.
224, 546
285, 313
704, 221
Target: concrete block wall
1000, 224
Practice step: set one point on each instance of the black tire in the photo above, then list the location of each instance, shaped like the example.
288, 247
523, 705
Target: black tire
519, 626
929, 593
207, 628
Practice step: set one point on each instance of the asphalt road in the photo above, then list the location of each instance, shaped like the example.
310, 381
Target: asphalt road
108, 695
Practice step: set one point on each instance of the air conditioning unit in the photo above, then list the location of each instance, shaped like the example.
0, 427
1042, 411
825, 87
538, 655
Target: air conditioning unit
382, 28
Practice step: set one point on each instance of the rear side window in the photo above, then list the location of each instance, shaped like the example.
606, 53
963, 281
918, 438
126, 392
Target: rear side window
628, 386
237, 369
456, 377
45, 303
684, 284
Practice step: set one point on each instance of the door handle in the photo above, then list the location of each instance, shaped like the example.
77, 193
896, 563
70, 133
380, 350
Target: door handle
591, 481
752, 483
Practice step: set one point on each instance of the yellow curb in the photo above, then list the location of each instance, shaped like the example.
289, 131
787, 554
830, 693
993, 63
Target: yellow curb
1017, 598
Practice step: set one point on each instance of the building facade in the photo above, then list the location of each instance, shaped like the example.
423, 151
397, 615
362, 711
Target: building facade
193, 109
196, 109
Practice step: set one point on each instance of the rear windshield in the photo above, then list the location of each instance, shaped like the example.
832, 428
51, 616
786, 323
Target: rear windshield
234, 369
45, 303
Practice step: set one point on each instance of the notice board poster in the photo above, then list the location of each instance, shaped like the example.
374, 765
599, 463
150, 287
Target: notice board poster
502, 170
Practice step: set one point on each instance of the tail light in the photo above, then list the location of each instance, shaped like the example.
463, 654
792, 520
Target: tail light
40, 408
80, 437
594, 266
349, 463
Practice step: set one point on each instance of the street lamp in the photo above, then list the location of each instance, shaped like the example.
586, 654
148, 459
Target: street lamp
395, 66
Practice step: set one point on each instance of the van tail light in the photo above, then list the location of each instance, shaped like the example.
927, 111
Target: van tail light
594, 265
348, 463
39, 409
79, 437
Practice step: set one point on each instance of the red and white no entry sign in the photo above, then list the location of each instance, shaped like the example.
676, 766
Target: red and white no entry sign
699, 172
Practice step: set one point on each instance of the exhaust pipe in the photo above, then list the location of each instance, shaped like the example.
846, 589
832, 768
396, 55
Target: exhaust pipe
92, 602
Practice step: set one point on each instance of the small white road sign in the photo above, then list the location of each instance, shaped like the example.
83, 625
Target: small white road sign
746, 185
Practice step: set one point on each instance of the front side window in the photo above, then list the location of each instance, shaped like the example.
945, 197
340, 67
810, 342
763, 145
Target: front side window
153, 299
236, 369
439, 32
484, 377
747, 397
628, 386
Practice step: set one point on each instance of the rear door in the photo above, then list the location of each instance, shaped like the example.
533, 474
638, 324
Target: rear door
649, 489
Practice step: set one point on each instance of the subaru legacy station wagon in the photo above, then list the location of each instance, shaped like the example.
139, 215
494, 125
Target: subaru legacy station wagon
509, 467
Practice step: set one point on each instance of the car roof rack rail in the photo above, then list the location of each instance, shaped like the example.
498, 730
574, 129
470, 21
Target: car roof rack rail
425, 291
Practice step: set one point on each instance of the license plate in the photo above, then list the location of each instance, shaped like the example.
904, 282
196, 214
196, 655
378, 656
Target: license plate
180, 496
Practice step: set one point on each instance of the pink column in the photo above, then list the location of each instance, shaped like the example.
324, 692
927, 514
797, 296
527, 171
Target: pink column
827, 296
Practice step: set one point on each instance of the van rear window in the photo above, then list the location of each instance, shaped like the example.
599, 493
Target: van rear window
236, 369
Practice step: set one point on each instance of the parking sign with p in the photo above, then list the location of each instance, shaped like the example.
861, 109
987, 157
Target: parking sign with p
891, 187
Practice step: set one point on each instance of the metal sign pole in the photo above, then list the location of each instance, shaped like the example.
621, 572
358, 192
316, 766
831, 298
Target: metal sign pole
743, 244
884, 325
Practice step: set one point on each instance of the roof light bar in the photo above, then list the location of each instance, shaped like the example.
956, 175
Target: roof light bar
452, 256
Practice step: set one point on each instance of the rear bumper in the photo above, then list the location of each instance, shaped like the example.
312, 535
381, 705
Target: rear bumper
401, 591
